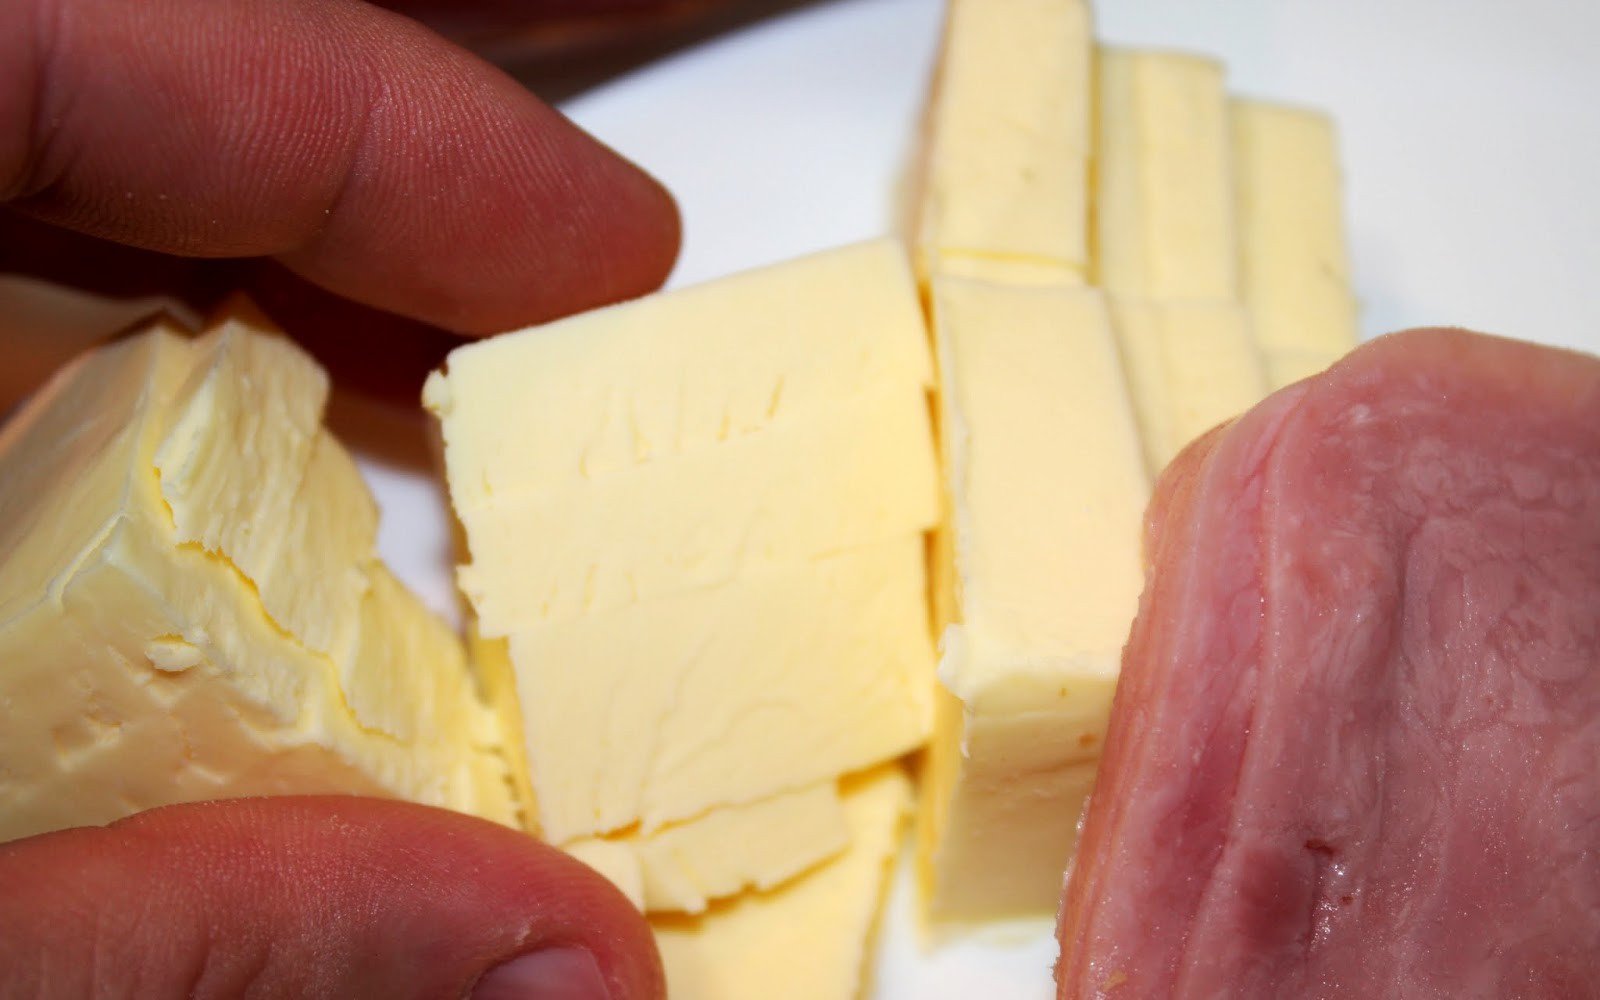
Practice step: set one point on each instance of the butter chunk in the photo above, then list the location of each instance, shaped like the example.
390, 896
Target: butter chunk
1164, 213
617, 862
250, 404
1191, 366
1040, 591
1287, 365
1294, 265
861, 471
663, 710
806, 940
758, 845
620, 387
139, 665
1006, 173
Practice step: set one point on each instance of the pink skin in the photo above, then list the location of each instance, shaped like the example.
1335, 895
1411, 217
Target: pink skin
366, 153
303, 897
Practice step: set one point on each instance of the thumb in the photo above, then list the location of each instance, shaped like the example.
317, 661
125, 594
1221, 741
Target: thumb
313, 897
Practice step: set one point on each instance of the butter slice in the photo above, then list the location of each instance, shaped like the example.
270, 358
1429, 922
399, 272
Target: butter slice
1286, 366
806, 940
841, 478
582, 398
664, 710
1006, 175
760, 845
1191, 366
1293, 261
1164, 226
1043, 587
139, 664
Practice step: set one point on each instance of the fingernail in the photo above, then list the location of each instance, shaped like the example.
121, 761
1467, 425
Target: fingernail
551, 974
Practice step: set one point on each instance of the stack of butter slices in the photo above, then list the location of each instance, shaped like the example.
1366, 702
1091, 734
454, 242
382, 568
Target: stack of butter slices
696, 531
191, 603
1109, 247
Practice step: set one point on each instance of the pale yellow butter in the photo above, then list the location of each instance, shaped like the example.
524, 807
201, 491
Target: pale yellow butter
1046, 489
663, 710
695, 525
1293, 261
759, 845
1163, 199
806, 940
582, 398
1191, 366
139, 664
1005, 185
1286, 366
837, 479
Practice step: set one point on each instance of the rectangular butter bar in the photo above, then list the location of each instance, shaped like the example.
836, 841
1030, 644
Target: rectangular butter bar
806, 940
620, 387
758, 845
1042, 586
1164, 216
663, 710
1293, 262
837, 479
1286, 365
1191, 366
141, 661
1005, 185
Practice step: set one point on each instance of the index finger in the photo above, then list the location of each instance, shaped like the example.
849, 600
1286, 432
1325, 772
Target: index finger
368, 154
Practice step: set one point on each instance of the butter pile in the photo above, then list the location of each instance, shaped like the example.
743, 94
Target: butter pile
1116, 258
191, 604
696, 534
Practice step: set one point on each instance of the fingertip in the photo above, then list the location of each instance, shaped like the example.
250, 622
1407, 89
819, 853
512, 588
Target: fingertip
322, 896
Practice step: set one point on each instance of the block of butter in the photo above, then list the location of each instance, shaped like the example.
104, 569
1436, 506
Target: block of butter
1293, 262
758, 845
671, 374
191, 604
1046, 486
1163, 198
806, 940
1005, 172
1191, 365
702, 549
777, 681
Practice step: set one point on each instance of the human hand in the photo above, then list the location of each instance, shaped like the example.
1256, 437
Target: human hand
313, 897
148, 147
368, 156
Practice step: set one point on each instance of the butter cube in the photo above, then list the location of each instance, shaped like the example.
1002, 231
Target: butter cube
617, 388
861, 471
1287, 365
700, 548
176, 623
1005, 185
1191, 366
759, 845
1039, 591
1164, 226
806, 940
1293, 262
663, 710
